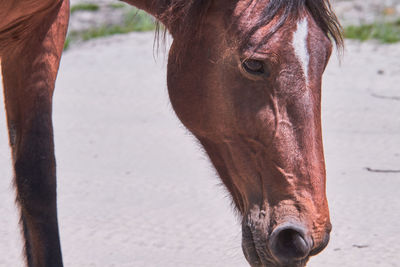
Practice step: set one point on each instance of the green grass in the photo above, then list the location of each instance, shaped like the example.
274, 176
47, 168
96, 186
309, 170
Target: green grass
84, 7
385, 32
67, 43
117, 5
134, 21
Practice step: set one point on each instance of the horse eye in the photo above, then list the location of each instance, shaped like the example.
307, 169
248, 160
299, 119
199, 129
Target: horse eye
254, 67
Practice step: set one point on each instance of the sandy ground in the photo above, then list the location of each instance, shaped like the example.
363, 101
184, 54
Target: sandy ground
136, 190
365, 11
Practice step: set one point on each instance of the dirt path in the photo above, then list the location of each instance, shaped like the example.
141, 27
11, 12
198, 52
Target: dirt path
136, 190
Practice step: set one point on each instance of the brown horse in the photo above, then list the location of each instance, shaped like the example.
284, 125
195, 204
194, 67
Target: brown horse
244, 76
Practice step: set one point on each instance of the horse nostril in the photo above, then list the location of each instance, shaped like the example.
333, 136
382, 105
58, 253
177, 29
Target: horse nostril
288, 244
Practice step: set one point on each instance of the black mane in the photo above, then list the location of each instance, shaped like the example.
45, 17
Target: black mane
185, 16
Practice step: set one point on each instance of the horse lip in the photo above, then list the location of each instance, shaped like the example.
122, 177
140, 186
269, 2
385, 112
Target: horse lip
321, 247
249, 248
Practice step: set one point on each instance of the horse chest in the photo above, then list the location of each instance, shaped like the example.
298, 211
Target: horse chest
19, 17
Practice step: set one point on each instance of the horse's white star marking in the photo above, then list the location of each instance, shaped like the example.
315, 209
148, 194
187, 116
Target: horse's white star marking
300, 46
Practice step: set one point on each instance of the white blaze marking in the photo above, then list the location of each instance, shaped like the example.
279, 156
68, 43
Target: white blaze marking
300, 45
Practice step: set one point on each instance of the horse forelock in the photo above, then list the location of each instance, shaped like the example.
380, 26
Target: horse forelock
185, 17
280, 11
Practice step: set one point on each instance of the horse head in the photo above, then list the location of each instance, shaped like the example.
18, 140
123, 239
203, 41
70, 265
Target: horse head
247, 83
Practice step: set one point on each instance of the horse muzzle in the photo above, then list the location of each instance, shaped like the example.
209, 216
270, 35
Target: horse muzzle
288, 245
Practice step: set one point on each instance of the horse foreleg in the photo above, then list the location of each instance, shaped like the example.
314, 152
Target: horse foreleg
29, 71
